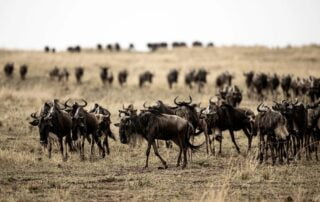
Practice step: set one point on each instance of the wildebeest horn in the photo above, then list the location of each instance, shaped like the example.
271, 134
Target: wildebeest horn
175, 101
190, 98
85, 103
123, 107
259, 109
34, 115
66, 103
145, 106
284, 101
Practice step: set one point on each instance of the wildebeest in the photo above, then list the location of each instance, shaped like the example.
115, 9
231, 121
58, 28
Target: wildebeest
271, 126
109, 47
79, 71
145, 77
8, 70
197, 44
122, 77
286, 85
224, 79
232, 95
47, 49
248, 80
297, 120
85, 125
99, 47
52, 120
106, 75
273, 83
117, 47
179, 45
23, 71
260, 85
201, 78
152, 126
221, 116
172, 77
131, 47
186, 110
103, 116
75, 49
189, 78
313, 128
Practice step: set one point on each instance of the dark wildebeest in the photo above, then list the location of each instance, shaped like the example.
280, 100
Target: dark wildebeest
232, 95
145, 77
189, 78
210, 44
131, 47
313, 127
104, 74
260, 84
99, 47
273, 84
64, 74
185, 110
122, 77
297, 120
314, 89
84, 125
221, 116
109, 47
201, 78
117, 47
248, 79
172, 77
79, 71
155, 126
53, 121
271, 126
103, 116
54, 73
53, 50
47, 49
197, 44
224, 79
8, 70
23, 71
286, 85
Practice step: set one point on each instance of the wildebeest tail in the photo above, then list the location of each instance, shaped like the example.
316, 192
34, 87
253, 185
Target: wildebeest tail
190, 132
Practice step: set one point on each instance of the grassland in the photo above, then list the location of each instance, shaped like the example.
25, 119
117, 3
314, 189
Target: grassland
26, 173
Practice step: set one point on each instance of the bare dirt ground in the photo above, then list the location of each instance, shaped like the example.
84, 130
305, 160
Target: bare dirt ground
26, 173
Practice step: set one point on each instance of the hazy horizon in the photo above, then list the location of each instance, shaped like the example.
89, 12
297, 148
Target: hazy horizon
32, 24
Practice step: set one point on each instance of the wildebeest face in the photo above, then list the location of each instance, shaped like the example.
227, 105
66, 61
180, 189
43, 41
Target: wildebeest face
125, 130
44, 128
104, 123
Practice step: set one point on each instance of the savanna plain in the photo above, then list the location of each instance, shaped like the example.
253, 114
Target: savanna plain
27, 174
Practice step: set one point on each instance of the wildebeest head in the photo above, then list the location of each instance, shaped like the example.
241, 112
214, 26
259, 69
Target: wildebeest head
272, 120
126, 129
44, 124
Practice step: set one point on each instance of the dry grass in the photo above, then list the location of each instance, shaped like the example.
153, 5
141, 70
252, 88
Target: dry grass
27, 174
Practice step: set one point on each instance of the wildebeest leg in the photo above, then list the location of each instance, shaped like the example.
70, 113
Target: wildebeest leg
49, 148
246, 132
92, 146
148, 152
66, 147
184, 156
179, 156
156, 152
261, 148
61, 149
82, 147
234, 141
204, 127
101, 147
106, 144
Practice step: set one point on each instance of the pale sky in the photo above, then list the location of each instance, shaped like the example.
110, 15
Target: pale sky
32, 24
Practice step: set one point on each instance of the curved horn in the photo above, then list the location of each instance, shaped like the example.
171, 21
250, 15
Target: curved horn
66, 103
175, 101
34, 115
284, 101
85, 103
259, 109
295, 102
190, 98
145, 106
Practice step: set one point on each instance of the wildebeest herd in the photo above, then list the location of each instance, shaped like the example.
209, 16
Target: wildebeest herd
286, 129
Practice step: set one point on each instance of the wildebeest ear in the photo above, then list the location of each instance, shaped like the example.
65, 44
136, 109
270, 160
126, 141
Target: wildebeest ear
34, 122
117, 124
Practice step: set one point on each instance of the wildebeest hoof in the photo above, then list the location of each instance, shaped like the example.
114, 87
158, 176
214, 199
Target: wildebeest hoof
161, 168
184, 166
